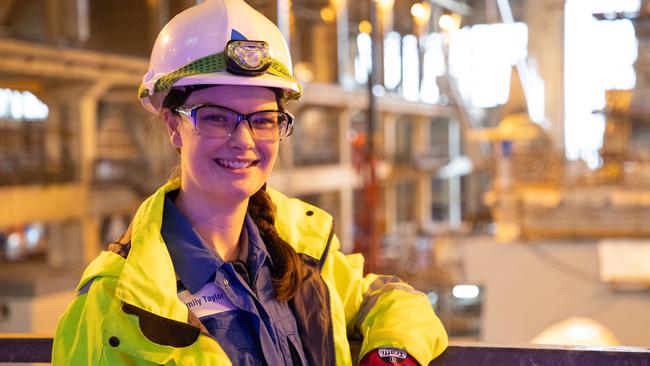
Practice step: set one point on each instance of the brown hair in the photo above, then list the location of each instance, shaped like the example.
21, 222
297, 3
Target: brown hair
287, 271
286, 274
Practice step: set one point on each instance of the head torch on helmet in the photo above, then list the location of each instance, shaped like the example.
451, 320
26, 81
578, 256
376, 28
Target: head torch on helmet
231, 44
250, 58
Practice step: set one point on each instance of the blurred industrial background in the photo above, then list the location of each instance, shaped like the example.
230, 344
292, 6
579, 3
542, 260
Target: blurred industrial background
493, 153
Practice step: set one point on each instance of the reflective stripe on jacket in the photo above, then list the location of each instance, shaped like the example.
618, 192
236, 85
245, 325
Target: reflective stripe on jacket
132, 315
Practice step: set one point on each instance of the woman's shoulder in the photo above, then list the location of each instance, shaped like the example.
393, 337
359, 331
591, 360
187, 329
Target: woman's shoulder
107, 265
309, 229
296, 209
289, 205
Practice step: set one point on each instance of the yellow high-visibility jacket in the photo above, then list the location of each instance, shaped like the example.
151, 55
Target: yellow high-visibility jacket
127, 311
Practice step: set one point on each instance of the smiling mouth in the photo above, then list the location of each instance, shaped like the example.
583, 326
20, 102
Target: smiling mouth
235, 164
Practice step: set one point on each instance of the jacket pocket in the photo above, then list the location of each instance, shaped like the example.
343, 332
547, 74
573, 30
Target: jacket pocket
143, 335
161, 330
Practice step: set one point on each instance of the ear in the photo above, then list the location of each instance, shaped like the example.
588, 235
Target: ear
172, 124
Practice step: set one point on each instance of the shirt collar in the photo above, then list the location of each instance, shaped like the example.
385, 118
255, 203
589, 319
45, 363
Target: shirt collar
194, 262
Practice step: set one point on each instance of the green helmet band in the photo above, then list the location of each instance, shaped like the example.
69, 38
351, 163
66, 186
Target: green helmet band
246, 58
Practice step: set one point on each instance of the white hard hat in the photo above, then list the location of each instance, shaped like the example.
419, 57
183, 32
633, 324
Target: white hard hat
218, 42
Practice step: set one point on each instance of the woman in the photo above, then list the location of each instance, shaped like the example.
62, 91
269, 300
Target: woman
216, 268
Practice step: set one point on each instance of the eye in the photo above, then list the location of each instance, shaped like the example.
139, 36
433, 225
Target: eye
214, 115
264, 120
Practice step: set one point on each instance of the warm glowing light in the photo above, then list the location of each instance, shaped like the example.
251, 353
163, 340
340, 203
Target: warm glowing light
327, 14
577, 332
449, 22
365, 27
465, 291
421, 13
303, 71
385, 4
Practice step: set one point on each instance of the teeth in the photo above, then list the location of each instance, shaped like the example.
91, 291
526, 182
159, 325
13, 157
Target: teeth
235, 164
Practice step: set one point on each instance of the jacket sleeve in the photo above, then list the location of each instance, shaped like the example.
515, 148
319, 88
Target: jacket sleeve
78, 339
384, 311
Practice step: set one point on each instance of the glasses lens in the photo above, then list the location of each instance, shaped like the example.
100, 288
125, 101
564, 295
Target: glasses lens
215, 121
269, 125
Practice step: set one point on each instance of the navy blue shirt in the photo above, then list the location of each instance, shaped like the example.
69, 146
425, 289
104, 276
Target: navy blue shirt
235, 300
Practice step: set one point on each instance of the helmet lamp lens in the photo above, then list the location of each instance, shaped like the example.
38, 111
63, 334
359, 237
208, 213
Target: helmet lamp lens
248, 57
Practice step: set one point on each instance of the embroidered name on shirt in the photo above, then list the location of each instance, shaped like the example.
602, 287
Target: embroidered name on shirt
209, 300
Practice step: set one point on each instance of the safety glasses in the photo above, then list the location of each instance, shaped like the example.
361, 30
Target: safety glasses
218, 121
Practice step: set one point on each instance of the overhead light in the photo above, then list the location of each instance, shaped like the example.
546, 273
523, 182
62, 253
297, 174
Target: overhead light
327, 14
365, 27
449, 22
421, 13
385, 4
465, 291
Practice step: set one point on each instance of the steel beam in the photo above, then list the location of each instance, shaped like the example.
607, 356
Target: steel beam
40, 203
24, 58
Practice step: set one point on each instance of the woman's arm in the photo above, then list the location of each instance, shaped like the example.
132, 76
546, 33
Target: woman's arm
384, 311
79, 339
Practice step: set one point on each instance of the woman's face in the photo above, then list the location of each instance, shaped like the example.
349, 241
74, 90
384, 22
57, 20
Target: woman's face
224, 168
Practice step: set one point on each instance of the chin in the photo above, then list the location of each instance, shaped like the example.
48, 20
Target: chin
239, 191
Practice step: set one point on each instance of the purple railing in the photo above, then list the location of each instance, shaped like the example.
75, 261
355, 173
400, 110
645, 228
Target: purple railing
26, 349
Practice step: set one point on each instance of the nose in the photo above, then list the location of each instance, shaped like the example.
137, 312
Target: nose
242, 136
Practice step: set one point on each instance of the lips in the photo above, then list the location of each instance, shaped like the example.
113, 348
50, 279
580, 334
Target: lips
235, 164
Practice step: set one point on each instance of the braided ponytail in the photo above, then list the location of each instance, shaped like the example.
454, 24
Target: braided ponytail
286, 274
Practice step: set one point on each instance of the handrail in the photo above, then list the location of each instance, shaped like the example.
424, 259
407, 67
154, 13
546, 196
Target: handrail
25, 348
31, 348
538, 355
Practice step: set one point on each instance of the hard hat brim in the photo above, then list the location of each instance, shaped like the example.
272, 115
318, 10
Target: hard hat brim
153, 102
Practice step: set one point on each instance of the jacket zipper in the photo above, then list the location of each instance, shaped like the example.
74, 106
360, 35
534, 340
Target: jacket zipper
329, 296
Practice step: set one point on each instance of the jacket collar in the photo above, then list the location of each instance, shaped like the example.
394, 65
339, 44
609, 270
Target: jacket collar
148, 280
